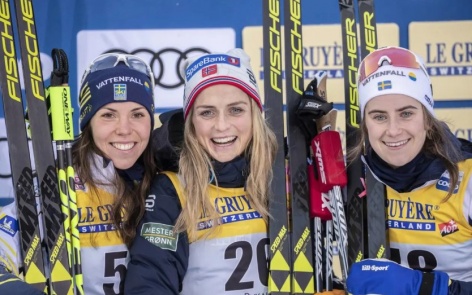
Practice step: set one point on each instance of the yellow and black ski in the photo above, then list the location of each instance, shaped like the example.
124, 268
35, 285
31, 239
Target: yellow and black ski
377, 236
31, 253
303, 281
45, 165
355, 203
280, 266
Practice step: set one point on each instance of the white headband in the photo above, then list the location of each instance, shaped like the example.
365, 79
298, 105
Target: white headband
391, 79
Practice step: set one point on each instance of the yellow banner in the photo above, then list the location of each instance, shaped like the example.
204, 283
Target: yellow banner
458, 120
446, 48
322, 46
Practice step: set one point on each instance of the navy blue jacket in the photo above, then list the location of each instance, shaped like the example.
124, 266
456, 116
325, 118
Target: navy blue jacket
15, 286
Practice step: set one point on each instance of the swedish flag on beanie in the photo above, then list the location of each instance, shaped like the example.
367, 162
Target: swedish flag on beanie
117, 84
391, 79
232, 68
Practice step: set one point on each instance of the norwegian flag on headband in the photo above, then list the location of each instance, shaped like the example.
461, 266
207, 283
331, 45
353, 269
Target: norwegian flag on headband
210, 70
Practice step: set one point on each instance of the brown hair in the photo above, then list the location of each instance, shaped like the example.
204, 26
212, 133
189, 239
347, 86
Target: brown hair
128, 207
437, 144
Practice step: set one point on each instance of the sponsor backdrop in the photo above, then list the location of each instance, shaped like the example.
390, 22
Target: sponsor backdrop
323, 52
165, 32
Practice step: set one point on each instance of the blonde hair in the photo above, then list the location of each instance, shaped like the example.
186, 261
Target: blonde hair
437, 144
195, 167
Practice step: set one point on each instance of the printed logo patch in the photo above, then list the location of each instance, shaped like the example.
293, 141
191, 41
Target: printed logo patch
119, 91
412, 76
233, 60
210, 60
429, 100
380, 74
313, 105
160, 235
448, 228
387, 84
443, 182
9, 225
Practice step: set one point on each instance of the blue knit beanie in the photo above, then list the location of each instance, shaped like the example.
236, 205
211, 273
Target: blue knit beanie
117, 84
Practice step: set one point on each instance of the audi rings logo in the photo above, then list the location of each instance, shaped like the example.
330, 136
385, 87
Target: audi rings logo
165, 63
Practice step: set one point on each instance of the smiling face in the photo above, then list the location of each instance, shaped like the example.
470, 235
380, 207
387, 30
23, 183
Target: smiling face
121, 130
222, 118
396, 127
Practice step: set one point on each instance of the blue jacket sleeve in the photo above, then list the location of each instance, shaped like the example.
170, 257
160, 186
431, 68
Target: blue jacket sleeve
12, 285
460, 288
159, 257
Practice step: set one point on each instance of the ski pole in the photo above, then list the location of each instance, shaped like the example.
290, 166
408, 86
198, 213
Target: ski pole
320, 212
63, 134
332, 174
319, 204
328, 185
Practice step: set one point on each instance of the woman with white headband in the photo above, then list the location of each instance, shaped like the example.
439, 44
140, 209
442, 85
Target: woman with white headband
428, 175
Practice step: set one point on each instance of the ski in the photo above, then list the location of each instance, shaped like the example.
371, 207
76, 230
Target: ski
367, 27
377, 237
30, 251
355, 203
303, 281
60, 276
279, 279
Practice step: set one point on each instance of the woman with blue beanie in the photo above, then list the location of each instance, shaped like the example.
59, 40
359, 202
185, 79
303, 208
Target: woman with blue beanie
114, 167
